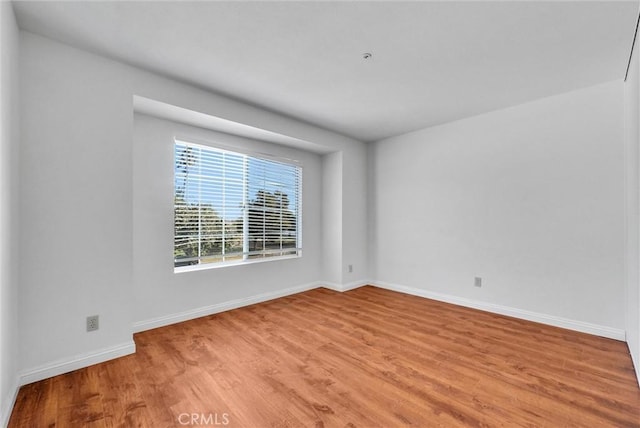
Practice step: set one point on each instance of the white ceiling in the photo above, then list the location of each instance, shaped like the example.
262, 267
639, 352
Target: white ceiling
433, 62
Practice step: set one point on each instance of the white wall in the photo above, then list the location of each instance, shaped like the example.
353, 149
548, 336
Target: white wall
78, 226
9, 136
332, 168
355, 216
632, 211
529, 198
158, 292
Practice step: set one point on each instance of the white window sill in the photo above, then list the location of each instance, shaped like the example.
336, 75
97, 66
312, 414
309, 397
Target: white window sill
207, 266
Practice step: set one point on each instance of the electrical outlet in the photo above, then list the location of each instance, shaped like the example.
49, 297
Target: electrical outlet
350, 268
93, 323
477, 282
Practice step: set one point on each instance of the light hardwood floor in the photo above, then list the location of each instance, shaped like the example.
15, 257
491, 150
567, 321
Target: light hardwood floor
365, 358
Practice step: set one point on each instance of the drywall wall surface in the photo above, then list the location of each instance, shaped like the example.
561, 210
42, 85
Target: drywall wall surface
158, 291
76, 202
332, 209
530, 199
9, 193
355, 216
632, 206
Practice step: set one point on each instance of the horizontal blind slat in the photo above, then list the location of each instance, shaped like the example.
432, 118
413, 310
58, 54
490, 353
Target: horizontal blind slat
224, 201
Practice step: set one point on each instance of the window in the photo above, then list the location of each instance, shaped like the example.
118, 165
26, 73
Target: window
231, 207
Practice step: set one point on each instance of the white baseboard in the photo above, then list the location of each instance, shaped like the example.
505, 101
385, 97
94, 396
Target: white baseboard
636, 364
353, 285
343, 287
583, 327
7, 406
76, 362
219, 307
330, 285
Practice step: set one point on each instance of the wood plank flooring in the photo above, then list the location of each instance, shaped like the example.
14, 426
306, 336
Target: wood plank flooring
364, 358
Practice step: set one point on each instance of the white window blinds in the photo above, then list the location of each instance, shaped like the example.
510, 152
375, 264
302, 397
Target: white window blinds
229, 206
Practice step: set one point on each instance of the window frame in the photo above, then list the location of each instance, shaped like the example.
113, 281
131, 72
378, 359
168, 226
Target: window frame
261, 156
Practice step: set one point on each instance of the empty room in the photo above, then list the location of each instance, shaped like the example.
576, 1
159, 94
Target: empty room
319, 214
